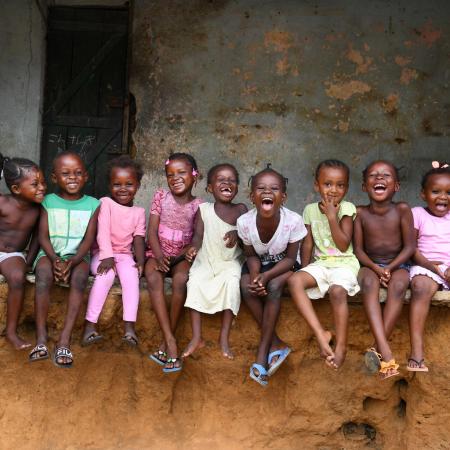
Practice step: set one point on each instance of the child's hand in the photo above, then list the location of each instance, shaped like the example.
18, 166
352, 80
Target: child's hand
58, 269
64, 271
230, 238
328, 207
191, 254
140, 268
260, 282
384, 275
163, 264
105, 266
447, 275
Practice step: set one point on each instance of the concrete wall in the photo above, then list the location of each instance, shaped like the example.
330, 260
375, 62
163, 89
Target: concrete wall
292, 82
22, 62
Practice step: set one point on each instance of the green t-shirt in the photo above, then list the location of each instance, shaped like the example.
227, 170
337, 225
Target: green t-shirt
325, 251
67, 222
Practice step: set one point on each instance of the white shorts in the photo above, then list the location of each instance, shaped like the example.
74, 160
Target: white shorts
418, 270
329, 276
4, 255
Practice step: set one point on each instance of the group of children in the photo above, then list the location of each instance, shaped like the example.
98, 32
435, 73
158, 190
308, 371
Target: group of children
218, 252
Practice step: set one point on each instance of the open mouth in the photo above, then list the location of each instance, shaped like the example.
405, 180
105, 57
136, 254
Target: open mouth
379, 188
267, 203
226, 191
441, 207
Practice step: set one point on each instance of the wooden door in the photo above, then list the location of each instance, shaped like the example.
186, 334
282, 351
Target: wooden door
85, 99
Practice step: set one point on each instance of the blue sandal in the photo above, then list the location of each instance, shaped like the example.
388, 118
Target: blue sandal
159, 357
282, 355
174, 368
262, 373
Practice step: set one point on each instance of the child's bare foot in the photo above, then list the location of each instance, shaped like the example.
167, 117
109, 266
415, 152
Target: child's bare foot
194, 345
17, 342
324, 345
336, 361
226, 351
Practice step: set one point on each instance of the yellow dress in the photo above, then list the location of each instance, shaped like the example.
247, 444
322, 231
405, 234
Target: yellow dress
215, 275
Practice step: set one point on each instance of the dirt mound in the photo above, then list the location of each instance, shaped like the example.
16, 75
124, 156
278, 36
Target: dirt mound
115, 397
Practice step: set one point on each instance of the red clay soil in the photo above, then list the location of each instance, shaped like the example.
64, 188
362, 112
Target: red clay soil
114, 397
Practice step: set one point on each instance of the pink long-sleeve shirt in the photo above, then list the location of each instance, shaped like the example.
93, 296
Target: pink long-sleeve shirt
117, 227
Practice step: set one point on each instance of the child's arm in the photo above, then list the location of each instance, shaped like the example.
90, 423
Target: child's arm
408, 237
254, 266
46, 245
307, 247
153, 240
341, 231
139, 253
33, 248
231, 237
103, 233
197, 240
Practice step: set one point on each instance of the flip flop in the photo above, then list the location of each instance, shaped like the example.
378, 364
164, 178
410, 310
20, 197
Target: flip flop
174, 368
418, 368
40, 348
130, 340
385, 367
63, 352
372, 360
282, 355
91, 338
262, 373
156, 357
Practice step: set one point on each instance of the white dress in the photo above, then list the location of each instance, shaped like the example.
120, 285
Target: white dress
215, 275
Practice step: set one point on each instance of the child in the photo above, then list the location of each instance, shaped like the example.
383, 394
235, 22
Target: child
335, 267
169, 234
215, 275
432, 256
19, 214
120, 229
384, 243
271, 235
66, 232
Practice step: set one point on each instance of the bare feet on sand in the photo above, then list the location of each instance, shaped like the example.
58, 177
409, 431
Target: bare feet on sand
194, 345
17, 342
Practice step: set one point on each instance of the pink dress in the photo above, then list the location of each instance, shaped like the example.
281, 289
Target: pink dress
176, 222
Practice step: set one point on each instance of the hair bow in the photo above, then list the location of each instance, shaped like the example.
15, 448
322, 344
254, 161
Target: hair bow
438, 165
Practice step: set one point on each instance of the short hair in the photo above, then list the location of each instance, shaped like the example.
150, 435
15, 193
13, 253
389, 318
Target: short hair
269, 170
395, 168
67, 153
13, 170
214, 169
334, 163
125, 162
184, 156
443, 168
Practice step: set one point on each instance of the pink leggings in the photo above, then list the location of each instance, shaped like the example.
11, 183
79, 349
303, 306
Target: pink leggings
129, 280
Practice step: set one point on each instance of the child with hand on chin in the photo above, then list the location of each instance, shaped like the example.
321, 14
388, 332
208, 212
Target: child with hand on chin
67, 231
271, 235
384, 242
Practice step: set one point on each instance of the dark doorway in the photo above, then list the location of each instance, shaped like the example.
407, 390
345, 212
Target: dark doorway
86, 92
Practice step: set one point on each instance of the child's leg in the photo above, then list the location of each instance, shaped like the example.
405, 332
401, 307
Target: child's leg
97, 297
155, 285
13, 270
338, 300
197, 341
256, 306
298, 283
396, 292
44, 283
129, 280
180, 275
227, 320
78, 281
370, 289
423, 288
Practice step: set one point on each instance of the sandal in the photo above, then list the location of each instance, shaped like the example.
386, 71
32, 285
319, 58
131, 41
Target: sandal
63, 352
419, 367
372, 360
174, 368
388, 369
281, 355
159, 357
130, 340
38, 353
91, 338
262, 372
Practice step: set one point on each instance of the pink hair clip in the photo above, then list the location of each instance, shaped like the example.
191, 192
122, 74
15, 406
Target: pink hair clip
438, 165
167, 162
194, 172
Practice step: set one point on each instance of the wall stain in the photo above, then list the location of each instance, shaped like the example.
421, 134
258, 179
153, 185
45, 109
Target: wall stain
345, 90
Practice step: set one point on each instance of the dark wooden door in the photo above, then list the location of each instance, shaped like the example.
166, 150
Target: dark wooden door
85, 102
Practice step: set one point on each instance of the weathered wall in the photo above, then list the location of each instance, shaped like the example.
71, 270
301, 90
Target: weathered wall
22, 61
292, 82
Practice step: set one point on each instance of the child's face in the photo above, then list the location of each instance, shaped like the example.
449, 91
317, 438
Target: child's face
123, 185
223, 185
437, 194
179, 177
381, 182
267, 194
69, 173
31, 187
332, 184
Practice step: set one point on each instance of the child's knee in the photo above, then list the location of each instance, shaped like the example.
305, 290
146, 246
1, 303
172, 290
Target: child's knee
274, 289
337, 293
16, 279
179, 280
420, 287
369, 284
78, 280
398, 287
44, 279
154, 280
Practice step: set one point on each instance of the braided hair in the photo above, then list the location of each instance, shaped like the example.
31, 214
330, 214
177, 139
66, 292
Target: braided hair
268, 169
438, 168
183, 156
14, 169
